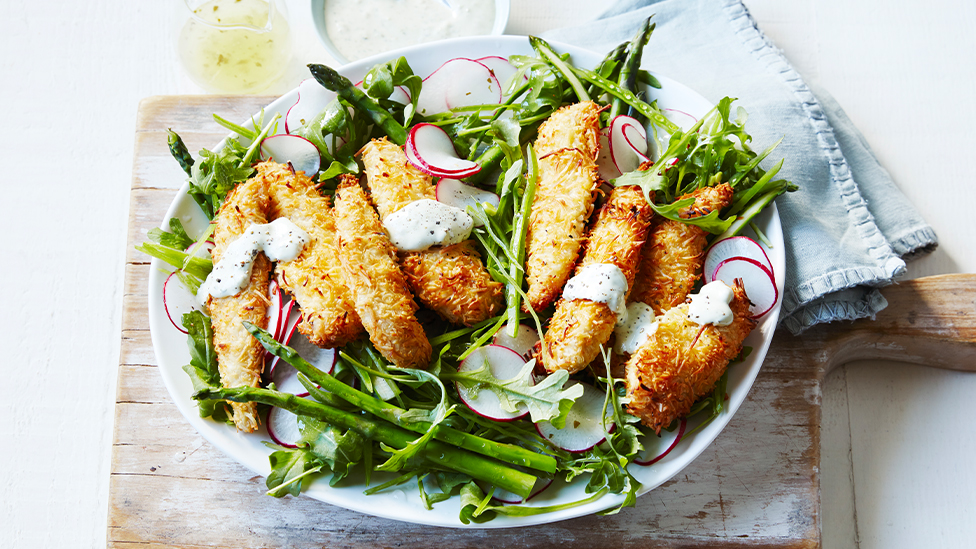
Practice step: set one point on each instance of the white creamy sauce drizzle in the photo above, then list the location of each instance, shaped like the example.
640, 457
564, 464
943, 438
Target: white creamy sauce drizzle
360, 28
425, 223
711, 304
280, 240
602, 283
639, 326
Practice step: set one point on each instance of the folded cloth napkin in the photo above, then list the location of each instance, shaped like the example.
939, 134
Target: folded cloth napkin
848, 230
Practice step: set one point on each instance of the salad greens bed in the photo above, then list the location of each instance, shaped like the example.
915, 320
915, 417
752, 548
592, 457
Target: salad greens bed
411, 422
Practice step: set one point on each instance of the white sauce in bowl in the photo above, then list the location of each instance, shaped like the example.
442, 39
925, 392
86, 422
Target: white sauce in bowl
361, 28
280, 240
425, 223
602, 283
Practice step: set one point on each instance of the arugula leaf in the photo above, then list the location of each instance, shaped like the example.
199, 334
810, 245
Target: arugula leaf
288, 468
546, 400
336, 449
202, 368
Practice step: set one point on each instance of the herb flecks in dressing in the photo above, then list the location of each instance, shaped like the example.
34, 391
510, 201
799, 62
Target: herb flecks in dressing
639, 326
280, 240
361, 28
425, 223
711, 304
602, 283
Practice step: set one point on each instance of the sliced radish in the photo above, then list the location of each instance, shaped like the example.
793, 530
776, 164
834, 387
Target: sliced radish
504, 496
301, 153
312, 99
522, 343
503, 363
501, 69
604, 160
283, 426
628, 143
455, 193
674, 442
177, 300
759, 282
584, 424
431, 150
681, 118
460, 82
205, 250
736, 246
290, 317
274, 315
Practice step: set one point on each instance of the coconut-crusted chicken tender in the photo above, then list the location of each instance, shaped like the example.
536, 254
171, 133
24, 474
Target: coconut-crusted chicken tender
378, 286
314, 278
567, 148
671, 261
681, 362
240, 357
450, 280
580, 326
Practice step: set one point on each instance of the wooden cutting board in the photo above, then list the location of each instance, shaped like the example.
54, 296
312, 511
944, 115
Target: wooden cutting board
756, 485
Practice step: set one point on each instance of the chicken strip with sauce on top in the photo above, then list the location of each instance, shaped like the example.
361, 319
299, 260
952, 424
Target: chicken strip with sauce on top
378, 286
681, 361
314, 279
240, 357
580, 326
450, 280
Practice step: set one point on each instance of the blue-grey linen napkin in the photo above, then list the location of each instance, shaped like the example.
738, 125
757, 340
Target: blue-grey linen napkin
849, 229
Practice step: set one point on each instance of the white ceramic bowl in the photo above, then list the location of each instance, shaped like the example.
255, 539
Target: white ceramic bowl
502, 9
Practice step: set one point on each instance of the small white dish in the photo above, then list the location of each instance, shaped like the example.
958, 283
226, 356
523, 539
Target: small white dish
502, 9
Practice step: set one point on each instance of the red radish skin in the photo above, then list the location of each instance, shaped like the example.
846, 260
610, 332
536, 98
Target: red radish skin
504, 363
759, 282
677, 439
584, 428
301, 153
312, 99
628, 150
459, 82
736, 246
177, 300
522, 343
430, 149
681, 118
283, 426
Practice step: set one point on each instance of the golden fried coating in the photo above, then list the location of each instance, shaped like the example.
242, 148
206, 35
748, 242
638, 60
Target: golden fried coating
314, 278
378, 286
240, 357
671, 261
451, 281
392, 180
682, 361
580, 326
567, 147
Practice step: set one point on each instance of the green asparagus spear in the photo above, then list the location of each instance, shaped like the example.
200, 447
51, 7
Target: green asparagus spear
629, 98
501, 451
628, 72
438, 453
334, 81
556, 62
179, 151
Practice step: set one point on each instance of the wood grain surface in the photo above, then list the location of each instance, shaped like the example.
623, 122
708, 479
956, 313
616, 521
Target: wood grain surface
756, 485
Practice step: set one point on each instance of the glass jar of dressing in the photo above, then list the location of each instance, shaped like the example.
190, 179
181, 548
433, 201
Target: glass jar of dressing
234, 46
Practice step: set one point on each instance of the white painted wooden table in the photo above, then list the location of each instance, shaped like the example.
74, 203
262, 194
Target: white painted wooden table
897, 439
